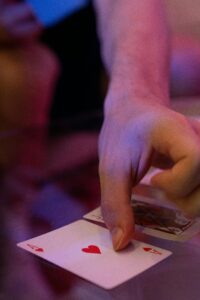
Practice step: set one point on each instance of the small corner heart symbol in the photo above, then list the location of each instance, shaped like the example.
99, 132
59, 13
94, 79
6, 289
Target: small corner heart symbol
92, 249
35, 248
39, 250
154, 251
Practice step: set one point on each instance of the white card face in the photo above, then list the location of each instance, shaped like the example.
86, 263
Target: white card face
85, 249
153, 219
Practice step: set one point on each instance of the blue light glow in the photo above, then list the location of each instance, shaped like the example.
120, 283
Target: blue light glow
51, 11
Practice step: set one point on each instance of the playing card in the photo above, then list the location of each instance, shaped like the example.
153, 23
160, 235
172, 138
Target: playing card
85, 249
158, 216
95, 215
164, 222
157, 220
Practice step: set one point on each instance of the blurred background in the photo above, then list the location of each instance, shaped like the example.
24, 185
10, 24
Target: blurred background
52, 87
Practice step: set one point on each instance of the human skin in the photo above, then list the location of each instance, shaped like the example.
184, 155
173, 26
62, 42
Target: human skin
138, 121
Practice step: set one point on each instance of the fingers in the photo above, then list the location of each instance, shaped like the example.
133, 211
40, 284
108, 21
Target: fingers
181, 182
195, 124
124, 151
115, 180
181, 143
116, 208
181, 179
190, 204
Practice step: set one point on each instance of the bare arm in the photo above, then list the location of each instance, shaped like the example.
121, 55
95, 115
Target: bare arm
135, 42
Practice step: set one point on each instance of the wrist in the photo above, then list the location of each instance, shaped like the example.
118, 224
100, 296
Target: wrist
123, 92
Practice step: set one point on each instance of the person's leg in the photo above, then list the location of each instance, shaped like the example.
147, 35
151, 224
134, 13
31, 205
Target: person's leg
185, 67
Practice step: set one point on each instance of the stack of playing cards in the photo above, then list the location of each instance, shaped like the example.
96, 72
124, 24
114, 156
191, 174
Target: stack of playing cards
157, 220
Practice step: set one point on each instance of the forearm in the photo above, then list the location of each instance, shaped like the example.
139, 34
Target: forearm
135, 47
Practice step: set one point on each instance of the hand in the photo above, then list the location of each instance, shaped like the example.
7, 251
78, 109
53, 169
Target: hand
17, 22
129, 139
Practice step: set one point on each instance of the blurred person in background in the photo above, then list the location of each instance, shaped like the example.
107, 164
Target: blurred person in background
28, 69
44, 69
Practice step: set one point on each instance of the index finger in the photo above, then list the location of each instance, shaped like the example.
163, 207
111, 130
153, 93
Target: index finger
116, 185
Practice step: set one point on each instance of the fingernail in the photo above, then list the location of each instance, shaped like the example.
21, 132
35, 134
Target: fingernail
117, 237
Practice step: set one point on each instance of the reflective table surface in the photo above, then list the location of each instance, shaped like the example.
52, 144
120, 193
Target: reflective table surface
49, 178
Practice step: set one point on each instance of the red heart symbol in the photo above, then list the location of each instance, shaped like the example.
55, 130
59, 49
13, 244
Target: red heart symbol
92, 249
154, 251
39, 250
147, 249
35, 248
